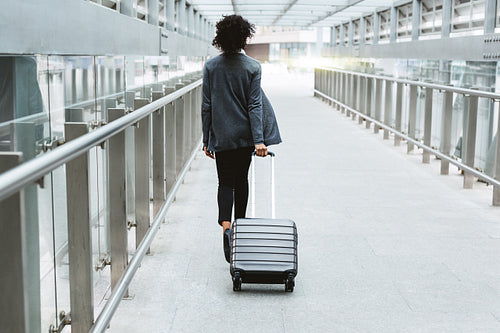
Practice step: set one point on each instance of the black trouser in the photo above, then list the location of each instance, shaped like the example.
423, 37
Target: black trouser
232, 170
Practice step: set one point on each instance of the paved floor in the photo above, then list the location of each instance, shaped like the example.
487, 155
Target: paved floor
386, 244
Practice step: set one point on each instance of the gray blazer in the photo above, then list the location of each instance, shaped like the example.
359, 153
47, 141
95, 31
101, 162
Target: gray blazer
232, 112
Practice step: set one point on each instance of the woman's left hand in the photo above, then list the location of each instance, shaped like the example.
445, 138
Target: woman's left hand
208, 153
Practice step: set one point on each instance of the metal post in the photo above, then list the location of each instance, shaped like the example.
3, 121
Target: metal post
412, 116
170, 146
470, 139
399, 112
344, 90
388, 107
14, 303
378, 103
350, 95
179, 131
355, 96
369, 94
142, 167
158, 155
446, 130
331, 86
362, 98
415, 26
23, 141
79, 235
187, 124
496, 189
426, 157
117, 200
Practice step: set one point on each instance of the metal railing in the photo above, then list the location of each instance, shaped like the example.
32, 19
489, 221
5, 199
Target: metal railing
370, 97
166, 133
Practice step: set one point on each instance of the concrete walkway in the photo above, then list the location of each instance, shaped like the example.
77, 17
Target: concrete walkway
386, 244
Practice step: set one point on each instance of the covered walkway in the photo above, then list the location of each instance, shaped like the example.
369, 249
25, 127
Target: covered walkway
386, 244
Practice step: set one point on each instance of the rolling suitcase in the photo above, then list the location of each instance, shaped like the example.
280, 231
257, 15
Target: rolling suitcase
263, 250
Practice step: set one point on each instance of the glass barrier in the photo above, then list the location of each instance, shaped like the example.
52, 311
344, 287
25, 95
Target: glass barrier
39, 96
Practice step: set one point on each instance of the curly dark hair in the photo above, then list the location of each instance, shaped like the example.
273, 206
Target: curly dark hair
232, 33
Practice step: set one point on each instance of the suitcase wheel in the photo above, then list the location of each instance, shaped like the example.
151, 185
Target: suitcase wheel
236, 282
289, 283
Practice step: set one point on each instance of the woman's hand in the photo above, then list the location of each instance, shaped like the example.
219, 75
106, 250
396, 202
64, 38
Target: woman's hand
208, 153
261, 150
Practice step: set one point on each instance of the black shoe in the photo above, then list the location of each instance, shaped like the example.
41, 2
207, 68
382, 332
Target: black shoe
227, 244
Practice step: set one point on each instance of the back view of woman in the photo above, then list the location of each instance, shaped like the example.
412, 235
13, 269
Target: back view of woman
232, 117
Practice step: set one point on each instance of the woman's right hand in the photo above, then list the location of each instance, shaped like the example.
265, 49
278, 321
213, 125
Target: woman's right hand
261, 150
208, 153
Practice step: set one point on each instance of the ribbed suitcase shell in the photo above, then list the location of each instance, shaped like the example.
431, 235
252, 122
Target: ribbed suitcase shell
264, 250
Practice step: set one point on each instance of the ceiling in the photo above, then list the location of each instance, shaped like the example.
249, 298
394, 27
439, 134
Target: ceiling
301, 13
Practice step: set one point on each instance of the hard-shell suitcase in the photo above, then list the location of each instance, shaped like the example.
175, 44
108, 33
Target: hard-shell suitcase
264, 250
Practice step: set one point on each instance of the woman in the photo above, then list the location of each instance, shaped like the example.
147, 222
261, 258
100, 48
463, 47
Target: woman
232, 117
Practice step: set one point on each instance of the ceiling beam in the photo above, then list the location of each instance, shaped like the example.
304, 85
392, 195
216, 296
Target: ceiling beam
233, 2
287, 8
337, 10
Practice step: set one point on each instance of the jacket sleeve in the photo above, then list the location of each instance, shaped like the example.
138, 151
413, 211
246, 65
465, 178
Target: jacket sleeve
206, 107
255, 108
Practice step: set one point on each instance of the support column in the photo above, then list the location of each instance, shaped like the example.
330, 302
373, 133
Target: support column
153, 10
181, 17
415, 26
446, 21
490, 15
190, 22
362, 30
426, 157
342, 35
13, 257
394, 24
170, 14
79, 235
350, 33
376, 28
355, 95
127, 7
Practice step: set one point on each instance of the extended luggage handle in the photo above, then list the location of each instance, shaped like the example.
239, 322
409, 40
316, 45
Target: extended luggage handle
273, 190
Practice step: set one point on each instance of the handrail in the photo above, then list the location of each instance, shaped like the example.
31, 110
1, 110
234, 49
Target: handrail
462, 166
32, 170
463, 91
121, 287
